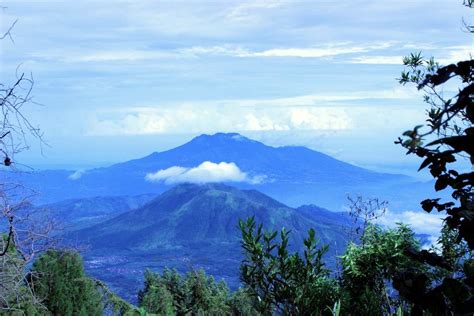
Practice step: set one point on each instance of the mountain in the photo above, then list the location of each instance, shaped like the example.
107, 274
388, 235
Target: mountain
294, 175
324, 216
194, 226
80, 213
191, 214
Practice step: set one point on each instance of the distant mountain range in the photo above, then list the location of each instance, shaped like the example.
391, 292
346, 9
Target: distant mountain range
196, 226
74, 214
293, 175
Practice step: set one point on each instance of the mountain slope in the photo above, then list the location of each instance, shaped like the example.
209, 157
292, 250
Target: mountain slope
290, 164
324, 216
191, 214
80, 213
293, 175
194, 226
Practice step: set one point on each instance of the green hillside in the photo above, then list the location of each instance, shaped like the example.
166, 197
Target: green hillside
194, 226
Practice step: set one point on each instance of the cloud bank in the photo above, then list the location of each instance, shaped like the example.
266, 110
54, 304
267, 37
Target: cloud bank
420, 222
206, 172
305, 112
147, 121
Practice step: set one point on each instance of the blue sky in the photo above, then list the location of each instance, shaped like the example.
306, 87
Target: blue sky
120, 79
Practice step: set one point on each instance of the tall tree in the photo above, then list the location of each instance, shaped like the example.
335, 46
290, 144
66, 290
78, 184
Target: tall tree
59, 280
195, 293
446, 145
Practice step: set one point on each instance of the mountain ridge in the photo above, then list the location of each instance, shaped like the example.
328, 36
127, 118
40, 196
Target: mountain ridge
295, 175
194, 225
216, 206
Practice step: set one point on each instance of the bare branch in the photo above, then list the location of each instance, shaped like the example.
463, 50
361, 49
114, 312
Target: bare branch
8, 32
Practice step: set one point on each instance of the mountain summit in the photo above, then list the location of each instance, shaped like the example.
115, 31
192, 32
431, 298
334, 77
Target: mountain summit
294, 175
196, 226
222, 138
191, 215
288, 164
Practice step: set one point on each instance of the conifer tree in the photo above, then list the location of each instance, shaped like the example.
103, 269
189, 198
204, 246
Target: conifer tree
58, 278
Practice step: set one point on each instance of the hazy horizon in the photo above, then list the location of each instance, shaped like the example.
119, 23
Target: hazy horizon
115, 82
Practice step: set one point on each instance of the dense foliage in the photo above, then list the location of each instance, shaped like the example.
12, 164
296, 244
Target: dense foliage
451, 131
59, 280
299, 283
195, 293
15, 296
370, 267
283, 282
446, 145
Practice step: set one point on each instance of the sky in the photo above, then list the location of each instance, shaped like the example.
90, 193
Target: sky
116, 80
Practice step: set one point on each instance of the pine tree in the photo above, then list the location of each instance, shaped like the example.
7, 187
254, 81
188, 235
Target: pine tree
195, 293
58, 278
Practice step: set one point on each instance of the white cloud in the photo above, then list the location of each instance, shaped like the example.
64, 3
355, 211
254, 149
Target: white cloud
166, 174
206, 172
421, 222
243, 11
134, 55
329, 50
322, 51
76, 175
218, 118
444, 55
377, 60
102, 55
134, 123
320, 119
261, 123
225, 50
309, 112
454, 54
360, 53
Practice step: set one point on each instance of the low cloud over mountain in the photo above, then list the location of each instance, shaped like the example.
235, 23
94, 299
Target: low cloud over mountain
206, 172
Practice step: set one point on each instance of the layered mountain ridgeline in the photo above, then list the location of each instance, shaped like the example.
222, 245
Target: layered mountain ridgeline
293, 175
196, 226
76, 214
